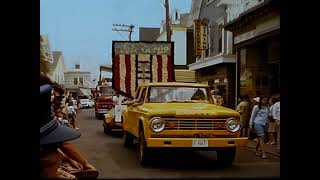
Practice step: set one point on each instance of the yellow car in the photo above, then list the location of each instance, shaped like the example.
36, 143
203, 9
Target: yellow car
180, 115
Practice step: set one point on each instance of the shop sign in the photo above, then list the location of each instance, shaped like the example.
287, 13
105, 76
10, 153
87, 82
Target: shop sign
197, 30
200, 29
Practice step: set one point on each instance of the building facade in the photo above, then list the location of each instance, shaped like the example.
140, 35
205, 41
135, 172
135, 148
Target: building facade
148, 33
256, 30
57, 68
215, 60
75, 80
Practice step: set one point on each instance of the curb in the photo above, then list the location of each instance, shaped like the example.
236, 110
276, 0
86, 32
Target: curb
273, 153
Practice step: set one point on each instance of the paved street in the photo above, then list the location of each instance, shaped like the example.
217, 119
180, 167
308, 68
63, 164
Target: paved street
114, 161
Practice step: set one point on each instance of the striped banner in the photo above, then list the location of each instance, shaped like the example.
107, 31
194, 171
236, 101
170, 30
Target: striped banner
130, 70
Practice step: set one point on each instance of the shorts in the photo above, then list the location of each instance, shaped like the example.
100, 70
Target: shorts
259, 129
272, 127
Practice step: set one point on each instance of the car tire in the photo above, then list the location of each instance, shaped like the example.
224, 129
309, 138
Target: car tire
128, 139
106, 129
144, 152
226, 156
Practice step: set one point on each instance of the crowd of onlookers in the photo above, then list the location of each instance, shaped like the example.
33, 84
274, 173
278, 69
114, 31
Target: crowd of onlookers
59, 158
259, 118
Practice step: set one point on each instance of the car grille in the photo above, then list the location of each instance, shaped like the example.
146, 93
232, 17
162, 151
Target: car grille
195, 124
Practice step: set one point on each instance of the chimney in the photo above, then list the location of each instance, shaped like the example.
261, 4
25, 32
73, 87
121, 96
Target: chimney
77, 66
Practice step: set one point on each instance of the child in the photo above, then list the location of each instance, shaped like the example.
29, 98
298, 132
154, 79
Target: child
72, 114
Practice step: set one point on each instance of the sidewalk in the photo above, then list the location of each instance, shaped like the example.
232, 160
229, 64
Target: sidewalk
270, 149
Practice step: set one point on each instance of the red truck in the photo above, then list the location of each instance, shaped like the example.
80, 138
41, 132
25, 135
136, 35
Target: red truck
103, 100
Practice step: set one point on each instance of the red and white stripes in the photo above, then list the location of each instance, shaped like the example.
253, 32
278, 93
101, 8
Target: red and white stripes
124, 72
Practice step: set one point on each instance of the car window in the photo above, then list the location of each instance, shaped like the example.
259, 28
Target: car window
167, 94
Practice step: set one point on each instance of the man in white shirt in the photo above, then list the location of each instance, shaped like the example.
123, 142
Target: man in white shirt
276, 116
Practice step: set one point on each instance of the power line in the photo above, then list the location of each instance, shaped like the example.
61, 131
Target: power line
130, 29
121, 35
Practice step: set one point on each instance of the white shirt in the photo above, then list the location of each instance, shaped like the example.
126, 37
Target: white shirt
116, 100
276, 111
71, 110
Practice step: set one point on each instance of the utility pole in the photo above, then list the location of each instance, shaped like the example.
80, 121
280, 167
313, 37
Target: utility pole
166, 5
130, 29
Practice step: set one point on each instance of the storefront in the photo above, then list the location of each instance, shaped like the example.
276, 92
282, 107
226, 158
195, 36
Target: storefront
257, 47
220, 77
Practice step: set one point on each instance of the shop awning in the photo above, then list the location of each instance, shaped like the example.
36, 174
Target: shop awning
84, 92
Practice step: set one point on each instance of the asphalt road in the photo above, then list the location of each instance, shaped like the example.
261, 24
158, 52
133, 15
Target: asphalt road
113, 160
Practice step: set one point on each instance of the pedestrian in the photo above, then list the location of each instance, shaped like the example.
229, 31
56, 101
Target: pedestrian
52, 135
272, 124
72, 114
258, 122
276, 117
217, 98
244, 110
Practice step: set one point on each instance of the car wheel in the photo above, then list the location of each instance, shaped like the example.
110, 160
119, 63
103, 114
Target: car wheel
128, 139
100, 116
144, 152
226, 156
107, 129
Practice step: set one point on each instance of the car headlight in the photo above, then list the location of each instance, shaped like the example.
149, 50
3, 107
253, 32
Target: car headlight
157, 124
233, 125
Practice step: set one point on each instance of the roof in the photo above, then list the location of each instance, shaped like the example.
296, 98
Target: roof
248, 13
56, 57
175, 84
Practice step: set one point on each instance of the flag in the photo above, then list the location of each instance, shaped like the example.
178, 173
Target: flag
135, 63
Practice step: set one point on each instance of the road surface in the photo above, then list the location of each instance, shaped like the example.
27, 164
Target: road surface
114, 161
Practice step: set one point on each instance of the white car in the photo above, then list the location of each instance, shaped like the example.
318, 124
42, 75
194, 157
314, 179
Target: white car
85, 103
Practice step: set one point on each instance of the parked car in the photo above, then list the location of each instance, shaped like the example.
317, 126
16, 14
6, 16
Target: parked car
85, 103
91, 103
180, 115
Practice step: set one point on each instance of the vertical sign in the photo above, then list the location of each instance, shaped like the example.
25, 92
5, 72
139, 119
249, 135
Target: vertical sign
200, 29
197, 34
203, 39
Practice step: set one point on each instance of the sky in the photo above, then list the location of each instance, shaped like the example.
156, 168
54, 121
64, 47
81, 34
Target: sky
82, 29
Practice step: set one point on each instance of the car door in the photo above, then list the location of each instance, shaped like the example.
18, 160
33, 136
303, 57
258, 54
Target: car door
134, 113
128, 116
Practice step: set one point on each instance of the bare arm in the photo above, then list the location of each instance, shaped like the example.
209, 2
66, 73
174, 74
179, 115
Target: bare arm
71, 151
253, 115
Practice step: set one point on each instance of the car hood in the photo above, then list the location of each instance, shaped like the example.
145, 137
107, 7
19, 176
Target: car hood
187, 110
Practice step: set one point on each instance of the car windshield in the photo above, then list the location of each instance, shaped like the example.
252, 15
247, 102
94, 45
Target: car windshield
178, 94
84, 100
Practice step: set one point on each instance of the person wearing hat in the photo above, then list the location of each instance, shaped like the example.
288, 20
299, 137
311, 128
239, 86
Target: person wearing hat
65, 148
52, 136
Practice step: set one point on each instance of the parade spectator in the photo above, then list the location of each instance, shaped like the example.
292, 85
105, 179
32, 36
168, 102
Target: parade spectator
52, 136
53, 151
217, 98
276, 117
272, 124
72, 114
244, 110
258, 122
